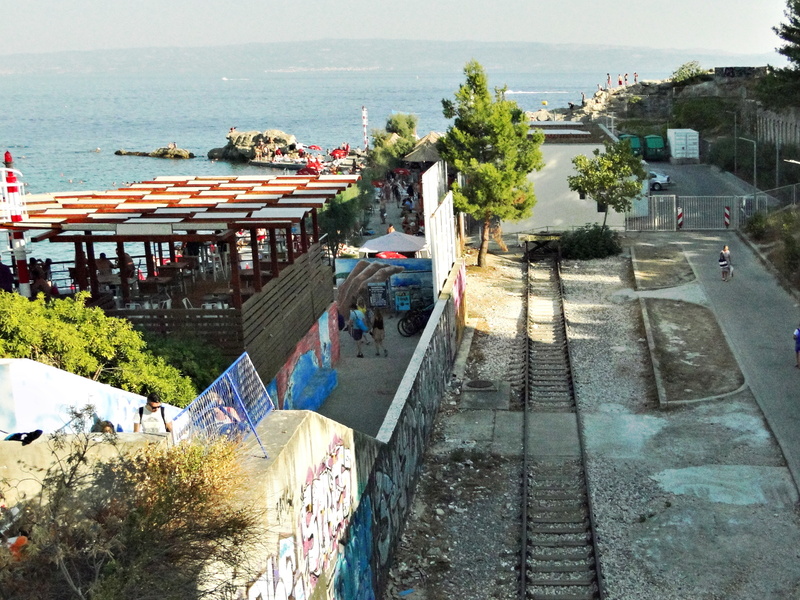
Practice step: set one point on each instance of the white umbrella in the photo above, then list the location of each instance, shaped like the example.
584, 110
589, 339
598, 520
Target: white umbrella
394, 242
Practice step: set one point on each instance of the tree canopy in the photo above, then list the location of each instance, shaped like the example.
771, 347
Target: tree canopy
491, 144
781, 87
68, 335
611, 178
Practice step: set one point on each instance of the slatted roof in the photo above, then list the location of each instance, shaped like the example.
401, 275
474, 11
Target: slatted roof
176, 206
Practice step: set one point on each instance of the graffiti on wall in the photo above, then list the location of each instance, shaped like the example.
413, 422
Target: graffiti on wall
318, 350
352, 576
306, 552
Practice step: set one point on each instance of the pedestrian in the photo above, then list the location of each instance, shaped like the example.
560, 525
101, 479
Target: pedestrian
6, 277
608, 81
390, 228
726, 252
357, 325
724, 266
796, 336
626, 80
151, 417
378, 332
635, 78
619, 79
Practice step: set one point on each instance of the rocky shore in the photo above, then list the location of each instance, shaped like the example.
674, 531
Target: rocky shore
168, 152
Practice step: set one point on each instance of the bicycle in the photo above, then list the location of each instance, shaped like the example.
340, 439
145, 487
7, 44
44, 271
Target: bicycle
414, 321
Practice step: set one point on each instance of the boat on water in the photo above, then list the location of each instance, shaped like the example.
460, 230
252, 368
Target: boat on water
292, 165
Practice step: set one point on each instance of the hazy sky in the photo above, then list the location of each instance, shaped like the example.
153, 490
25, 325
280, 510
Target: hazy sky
739, 26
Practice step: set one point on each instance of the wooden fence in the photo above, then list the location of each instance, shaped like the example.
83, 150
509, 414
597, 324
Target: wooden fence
278, 317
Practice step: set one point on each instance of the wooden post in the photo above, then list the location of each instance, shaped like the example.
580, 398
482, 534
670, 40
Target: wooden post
289, 245
123, 280
236, 282
256, 260
273, 251
95, 289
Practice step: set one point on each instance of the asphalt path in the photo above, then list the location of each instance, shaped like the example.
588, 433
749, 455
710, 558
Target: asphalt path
757, 316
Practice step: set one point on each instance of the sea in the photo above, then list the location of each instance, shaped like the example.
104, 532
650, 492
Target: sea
62, 130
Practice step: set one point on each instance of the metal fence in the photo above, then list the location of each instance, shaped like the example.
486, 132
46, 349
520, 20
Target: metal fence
694, 213
231, 407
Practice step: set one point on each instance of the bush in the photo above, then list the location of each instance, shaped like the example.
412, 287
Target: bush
687, 72
142, 526
756, 227
590, 241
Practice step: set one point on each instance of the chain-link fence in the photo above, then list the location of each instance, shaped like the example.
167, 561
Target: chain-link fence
231, 407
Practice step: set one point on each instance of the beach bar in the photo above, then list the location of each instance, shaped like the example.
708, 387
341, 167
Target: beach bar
237, 261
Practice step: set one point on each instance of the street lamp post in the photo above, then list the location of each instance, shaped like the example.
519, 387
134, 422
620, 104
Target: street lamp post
755, 174
735, 140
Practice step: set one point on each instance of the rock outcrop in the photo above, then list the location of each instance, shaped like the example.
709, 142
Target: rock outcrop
167, 152
241, 145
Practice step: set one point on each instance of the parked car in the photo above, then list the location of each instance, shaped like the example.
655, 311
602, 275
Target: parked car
659, 181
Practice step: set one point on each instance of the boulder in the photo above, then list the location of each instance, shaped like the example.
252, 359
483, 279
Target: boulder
241, 144
158, 153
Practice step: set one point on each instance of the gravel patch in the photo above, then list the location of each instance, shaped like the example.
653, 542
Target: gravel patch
690, 503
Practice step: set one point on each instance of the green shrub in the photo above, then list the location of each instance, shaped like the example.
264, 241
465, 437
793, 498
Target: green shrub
590, 241
756, 227
791, 251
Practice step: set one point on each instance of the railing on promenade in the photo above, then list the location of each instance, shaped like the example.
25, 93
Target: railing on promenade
230, 408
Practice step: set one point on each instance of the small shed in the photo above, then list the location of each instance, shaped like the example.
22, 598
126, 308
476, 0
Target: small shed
684, 145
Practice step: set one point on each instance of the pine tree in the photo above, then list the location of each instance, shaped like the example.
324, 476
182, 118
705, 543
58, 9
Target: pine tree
490, 144
781, 87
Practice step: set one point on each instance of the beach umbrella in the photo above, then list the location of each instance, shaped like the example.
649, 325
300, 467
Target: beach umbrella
339, 153
377, 183
389, 254
402, 171
314, 147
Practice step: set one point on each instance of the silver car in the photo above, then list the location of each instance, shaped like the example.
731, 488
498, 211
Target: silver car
659, 181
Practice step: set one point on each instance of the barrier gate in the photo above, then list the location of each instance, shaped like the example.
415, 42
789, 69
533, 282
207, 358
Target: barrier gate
692, 213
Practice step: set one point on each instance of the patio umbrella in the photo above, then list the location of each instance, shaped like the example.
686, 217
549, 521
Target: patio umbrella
402, 171
389, 254
377, 183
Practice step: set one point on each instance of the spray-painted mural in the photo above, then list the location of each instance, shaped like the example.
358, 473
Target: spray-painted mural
311, 544
308, 377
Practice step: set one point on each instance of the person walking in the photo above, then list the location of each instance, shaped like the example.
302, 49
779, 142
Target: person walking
378, 332
726, 252
357, 326
724, 266
796, 336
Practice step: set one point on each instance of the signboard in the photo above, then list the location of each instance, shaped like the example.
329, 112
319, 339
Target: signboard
402, 300
378, 295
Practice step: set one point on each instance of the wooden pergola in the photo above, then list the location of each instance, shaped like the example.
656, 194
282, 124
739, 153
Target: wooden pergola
175, 210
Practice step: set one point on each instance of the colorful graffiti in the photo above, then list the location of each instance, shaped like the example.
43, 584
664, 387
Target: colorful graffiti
327, 501
352, 577
307, 377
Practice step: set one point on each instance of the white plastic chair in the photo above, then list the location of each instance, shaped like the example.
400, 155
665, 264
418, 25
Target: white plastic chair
187, 304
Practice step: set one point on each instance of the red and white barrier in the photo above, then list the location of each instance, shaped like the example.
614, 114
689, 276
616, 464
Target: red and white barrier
727, 217
680, 217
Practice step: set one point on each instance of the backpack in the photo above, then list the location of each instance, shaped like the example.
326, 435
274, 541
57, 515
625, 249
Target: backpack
163, 416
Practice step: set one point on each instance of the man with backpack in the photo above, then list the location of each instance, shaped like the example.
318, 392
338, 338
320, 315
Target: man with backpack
151, 417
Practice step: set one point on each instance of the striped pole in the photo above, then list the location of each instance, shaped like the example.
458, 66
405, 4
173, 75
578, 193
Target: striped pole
364, 123
727, 217
14, 200
680, 217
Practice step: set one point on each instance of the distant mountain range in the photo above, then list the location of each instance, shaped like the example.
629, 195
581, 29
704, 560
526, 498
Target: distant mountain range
245, 60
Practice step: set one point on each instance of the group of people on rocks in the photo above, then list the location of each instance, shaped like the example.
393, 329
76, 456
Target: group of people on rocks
622, 80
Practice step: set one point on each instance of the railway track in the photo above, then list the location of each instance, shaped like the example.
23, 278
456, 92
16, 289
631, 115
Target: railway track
558, 549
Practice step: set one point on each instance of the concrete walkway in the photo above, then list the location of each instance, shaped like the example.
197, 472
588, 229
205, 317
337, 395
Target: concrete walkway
758, 317
368, 385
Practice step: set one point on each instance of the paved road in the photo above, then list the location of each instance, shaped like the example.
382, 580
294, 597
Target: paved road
758, 317
701, 180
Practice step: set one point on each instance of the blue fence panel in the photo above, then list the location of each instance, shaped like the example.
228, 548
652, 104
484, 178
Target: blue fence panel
231, 407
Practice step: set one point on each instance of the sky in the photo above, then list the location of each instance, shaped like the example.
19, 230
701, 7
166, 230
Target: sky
736, 26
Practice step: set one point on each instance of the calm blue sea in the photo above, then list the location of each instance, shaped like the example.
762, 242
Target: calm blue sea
54, 125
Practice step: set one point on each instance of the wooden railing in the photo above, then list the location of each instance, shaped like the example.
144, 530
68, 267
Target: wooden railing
221, 328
